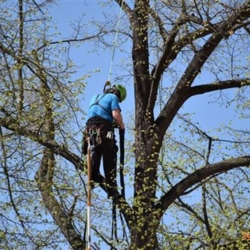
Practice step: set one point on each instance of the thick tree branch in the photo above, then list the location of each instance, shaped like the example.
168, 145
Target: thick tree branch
227, 84
45, 174
205, 214
73, 40
198, 176
20, 53
11, 124
140, 52
182, 90
223, 31
44, 178
172, 48
125, 7
163, 62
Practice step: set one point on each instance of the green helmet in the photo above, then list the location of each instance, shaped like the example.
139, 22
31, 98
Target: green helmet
122, 90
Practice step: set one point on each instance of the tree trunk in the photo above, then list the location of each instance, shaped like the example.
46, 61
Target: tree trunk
143, 234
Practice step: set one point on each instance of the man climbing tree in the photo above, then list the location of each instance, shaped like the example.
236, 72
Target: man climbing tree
189, 172
104, 114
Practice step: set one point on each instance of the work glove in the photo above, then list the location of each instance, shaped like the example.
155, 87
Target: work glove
122, 131
114, 124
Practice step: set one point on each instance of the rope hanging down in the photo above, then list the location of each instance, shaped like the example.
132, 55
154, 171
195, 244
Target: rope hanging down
115, 41
89, 154
108, 83
89, 198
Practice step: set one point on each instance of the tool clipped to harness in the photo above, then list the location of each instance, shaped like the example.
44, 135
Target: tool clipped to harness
110, 135
98, 136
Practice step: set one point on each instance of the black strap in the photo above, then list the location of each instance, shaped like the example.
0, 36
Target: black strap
122, 132
98, 122
114, 219
97, 103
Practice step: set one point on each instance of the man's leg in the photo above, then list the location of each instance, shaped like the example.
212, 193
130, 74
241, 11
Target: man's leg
109, 164
95, 159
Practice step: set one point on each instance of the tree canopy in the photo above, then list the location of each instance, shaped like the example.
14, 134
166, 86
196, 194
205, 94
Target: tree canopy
189, 180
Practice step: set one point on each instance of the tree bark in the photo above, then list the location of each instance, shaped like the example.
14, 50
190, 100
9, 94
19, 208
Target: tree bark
44, 178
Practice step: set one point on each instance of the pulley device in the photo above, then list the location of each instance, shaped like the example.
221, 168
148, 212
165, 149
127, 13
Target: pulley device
106, 85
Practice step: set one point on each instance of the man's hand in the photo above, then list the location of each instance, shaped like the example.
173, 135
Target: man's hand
121, 131
122, 126
118, 118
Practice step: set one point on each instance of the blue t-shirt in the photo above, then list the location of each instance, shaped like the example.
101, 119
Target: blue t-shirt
102, 105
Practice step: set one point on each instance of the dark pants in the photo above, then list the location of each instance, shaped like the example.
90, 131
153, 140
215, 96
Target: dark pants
105, 150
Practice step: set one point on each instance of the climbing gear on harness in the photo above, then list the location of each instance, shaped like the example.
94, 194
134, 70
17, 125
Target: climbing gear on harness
98, 136
110, 135
98, 129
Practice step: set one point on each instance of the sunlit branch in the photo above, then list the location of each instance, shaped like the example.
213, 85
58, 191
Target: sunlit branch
205, 214
20, 66
9, 186
61, 217
198, 176
221, 85
73, 40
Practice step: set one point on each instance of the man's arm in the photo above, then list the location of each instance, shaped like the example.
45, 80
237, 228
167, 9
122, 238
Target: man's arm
118, 118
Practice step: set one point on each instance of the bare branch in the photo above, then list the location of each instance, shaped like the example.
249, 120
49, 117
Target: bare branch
63, 219
198, 176
11, 124
227, 84
47, 43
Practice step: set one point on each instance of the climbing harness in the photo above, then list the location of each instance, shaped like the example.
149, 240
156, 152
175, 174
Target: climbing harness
97, 103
